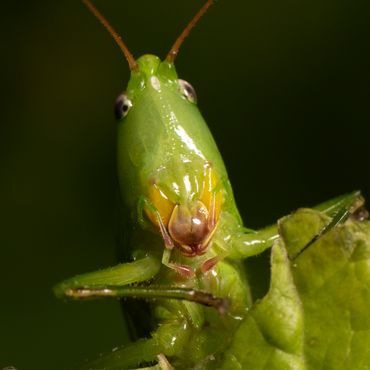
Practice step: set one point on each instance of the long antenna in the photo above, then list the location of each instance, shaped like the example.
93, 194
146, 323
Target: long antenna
176, 46
117, 38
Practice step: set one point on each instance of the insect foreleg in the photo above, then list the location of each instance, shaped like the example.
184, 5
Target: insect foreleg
345, 206
247, 244
120, 275
351, 201
147, 292
115, 283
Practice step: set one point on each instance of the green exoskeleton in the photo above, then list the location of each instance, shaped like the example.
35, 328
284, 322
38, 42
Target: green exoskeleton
185, 237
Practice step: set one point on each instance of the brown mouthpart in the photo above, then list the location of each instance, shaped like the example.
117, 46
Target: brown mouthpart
191, 227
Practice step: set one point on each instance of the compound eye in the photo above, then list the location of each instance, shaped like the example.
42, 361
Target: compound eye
188, 91
122, 106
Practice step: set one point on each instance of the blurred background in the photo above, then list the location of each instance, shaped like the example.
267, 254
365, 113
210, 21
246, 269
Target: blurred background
284, 86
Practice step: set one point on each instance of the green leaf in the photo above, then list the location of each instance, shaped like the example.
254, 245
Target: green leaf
316, 312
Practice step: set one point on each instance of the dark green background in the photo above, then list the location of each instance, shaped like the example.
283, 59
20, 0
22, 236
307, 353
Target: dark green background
284, 86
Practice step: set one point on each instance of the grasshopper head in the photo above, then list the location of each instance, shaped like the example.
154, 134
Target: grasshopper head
165, 148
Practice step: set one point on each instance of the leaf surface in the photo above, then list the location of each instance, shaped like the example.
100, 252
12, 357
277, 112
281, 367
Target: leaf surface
316, 314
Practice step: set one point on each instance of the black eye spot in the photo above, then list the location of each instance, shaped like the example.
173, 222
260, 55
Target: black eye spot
188, 91
122, 106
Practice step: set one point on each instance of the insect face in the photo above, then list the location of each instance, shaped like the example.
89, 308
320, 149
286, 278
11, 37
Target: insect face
191, 221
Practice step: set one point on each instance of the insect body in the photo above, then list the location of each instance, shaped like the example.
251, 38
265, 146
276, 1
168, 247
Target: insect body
186, 236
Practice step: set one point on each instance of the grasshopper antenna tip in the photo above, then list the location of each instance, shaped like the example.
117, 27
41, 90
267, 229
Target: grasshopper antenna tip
176, 46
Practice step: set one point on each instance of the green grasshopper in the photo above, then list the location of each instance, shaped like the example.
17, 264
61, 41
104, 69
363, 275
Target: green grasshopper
185, 239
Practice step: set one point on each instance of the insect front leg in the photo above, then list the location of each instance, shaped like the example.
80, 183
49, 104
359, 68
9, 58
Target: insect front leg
250, 243
94, 284
343, 207
247, 244
116, 282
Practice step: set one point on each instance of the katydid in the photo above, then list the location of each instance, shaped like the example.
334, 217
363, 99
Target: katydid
186, 239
